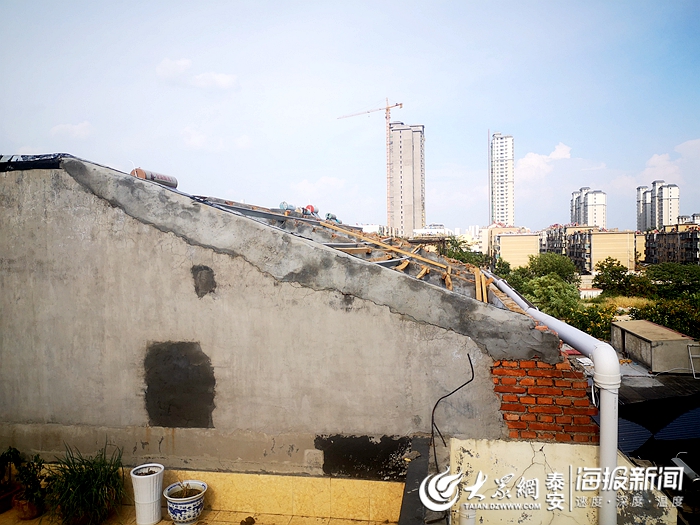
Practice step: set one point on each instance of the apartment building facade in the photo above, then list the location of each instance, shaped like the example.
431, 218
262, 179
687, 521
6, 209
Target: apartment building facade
586, 248
406, 184
516, 248
657, 206
589, 207
555, 238
679, 243
502, 180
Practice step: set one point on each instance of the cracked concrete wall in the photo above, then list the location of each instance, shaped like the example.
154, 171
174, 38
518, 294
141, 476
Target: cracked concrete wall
508, 464
303, 340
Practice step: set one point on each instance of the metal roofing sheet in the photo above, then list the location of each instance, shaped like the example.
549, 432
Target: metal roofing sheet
685, 426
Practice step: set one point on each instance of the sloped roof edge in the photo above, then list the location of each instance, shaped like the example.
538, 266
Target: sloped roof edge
289, 258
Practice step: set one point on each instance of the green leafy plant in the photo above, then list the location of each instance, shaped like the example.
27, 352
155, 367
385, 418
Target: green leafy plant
548, 263
551, 294
459, 250
595, 319
83, 490
30, 475
674, 280
8, 459
682, 315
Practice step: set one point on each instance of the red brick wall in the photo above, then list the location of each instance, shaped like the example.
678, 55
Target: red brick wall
545, 402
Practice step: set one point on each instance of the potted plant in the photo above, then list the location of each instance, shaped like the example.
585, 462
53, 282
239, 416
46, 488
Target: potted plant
147, 481
29, 501
84, 490
8, 487
185, 501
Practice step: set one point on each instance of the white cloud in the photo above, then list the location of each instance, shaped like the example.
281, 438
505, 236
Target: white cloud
689, 149
75, 131
661, 167
171, 69
535, 167
175, 71
215, 80
561, 151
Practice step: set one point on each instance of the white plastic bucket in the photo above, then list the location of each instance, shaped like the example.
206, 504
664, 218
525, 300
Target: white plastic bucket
147, 492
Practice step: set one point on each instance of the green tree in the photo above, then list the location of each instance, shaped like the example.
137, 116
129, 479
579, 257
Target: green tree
673, 280
546, 263
681, 315
502, 268
594, 320
612, 277
519, 278
552, 295
459, 250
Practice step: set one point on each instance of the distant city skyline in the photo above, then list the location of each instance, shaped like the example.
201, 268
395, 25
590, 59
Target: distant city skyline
240, 100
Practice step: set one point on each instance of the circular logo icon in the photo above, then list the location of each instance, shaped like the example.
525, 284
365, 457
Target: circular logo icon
439, 492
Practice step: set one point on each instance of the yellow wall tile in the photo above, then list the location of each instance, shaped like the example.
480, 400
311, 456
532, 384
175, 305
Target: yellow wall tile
350, 499
385, 501
312, 497
273, 494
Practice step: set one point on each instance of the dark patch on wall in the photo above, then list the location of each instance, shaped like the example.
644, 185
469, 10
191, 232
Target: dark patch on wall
204, 282
363, 457
179, 385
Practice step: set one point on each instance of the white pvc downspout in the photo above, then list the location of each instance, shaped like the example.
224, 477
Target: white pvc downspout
606, 376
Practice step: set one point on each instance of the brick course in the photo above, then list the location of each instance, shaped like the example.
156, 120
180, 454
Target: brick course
545, 402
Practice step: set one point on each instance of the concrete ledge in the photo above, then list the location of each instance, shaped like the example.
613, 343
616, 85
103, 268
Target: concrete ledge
316, 497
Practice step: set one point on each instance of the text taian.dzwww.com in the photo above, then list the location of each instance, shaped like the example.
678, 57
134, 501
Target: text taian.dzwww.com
505, 506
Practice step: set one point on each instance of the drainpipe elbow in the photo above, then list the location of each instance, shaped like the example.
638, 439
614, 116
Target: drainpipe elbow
606, 371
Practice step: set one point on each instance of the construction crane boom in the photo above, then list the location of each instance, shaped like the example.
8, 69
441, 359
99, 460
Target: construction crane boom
387, 109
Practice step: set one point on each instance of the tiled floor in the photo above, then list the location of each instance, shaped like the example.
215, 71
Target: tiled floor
126, 515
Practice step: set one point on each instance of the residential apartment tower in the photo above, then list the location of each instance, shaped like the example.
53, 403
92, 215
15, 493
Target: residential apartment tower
589, 208
657, 207
501, 180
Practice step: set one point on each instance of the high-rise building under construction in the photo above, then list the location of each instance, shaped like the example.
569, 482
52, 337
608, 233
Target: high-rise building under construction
406, 184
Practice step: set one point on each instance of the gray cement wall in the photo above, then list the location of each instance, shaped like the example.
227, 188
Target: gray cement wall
98, 273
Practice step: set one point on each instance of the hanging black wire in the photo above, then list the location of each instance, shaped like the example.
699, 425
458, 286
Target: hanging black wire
433, 426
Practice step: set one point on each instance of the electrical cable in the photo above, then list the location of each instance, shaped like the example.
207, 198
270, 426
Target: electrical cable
667, 371
433, 426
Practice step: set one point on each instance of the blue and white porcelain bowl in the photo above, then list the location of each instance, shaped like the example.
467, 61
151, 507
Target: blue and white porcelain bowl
185, 511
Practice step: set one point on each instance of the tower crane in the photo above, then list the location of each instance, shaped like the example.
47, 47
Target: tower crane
387, 109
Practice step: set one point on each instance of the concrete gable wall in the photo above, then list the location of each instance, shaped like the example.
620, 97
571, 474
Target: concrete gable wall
97, 268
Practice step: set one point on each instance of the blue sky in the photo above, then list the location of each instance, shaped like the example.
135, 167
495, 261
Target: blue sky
240, 100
